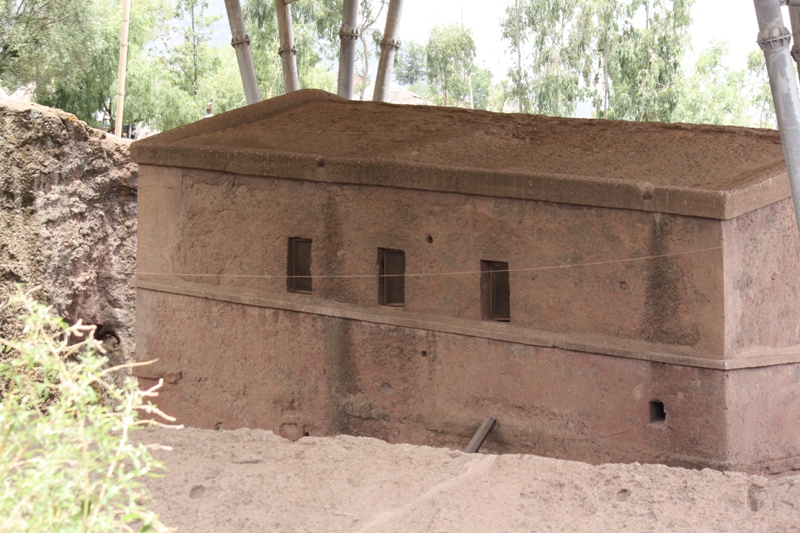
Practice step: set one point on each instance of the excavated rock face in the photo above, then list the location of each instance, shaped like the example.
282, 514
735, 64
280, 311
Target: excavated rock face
68, 220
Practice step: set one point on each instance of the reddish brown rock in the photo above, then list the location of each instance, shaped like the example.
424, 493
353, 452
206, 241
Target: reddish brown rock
68, 220
654, 281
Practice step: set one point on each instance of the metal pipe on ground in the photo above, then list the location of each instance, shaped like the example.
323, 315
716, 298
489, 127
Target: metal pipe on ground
775, 40
287, 50
123, 64
389, 46
348, 36
241, 43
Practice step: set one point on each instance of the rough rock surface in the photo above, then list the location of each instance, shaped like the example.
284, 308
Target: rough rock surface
253, 481
68, 220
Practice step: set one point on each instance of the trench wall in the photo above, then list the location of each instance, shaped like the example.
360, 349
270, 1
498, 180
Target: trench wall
68, 222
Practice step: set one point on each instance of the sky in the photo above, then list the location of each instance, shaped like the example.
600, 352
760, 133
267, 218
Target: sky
731, 20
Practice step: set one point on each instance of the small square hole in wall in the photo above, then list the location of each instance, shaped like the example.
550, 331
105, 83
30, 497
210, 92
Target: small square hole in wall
657, 412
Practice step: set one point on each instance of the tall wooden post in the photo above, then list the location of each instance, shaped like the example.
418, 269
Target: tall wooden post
123, 64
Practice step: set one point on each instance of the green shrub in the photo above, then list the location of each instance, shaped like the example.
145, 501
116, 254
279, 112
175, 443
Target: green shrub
67, 462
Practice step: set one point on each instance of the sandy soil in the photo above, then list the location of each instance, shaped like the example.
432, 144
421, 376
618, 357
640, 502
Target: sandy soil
252, 480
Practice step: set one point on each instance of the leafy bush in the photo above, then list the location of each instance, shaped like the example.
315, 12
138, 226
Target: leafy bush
67, 461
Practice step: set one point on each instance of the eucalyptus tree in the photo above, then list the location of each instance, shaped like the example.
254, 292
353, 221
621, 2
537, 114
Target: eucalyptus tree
645, 65
410, 68
714, 93
45, 40
191, 58
550, 42
88, 89
622, 55
316, 26
369, 11
450, 54
757, 87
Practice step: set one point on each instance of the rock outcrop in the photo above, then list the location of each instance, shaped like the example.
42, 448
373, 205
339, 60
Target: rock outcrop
68, 220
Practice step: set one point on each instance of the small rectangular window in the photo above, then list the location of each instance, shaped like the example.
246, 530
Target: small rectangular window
299, 273
391, 281
495, 291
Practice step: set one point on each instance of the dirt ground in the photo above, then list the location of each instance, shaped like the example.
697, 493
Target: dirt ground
254, 481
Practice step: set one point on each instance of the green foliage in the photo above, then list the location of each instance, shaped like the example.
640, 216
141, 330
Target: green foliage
645, 65
369, 11
411, 64
450, 54
624, 55
45, 40
757, 84
552, 43
481, 87
173, 70
192, 58
67, 461
713, 93
316, 26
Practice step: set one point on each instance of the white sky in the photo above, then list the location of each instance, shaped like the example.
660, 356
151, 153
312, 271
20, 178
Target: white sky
732, 20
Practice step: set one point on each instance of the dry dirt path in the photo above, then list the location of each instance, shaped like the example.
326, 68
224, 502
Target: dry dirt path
254, 481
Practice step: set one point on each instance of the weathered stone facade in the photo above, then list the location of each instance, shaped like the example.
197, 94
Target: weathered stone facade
68, 220
654, 281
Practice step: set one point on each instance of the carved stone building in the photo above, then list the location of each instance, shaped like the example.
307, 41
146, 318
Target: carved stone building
608, 291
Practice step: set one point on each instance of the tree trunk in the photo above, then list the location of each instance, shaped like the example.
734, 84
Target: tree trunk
365, 47
195, 75
606, 81
519, 59
123, 61
471, 93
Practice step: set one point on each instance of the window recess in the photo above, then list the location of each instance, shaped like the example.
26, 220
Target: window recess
391, 278
298, 278
495, 291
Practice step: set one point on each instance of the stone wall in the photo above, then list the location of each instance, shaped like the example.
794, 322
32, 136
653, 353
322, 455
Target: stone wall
68, 220
223, 229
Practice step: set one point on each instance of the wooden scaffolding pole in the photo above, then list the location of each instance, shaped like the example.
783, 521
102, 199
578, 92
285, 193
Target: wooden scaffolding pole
123, 63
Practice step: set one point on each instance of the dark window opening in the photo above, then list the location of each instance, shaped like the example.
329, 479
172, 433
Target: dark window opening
299, 272
657, 412
391, 281
495, 291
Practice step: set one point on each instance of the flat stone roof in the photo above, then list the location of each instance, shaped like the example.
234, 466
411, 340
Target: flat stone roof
706, 171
